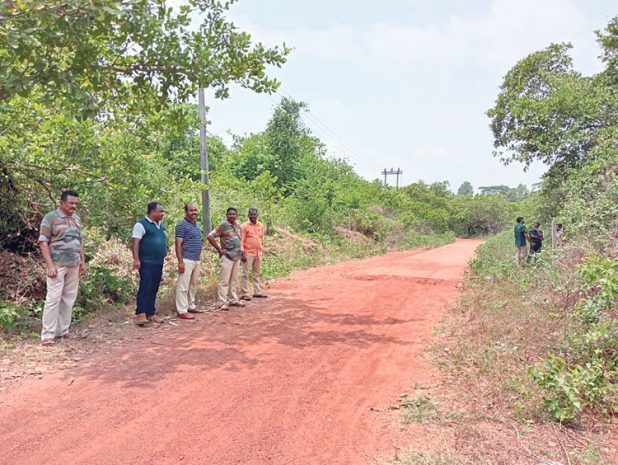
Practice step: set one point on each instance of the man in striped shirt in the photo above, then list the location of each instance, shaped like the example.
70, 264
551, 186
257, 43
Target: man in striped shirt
188, 251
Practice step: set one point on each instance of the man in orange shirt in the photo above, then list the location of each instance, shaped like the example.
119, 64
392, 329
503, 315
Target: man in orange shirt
252, 237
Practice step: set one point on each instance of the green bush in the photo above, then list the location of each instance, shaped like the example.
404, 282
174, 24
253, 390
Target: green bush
103, 285
599, 285
10, 315
494, 258
567, 390
584, 372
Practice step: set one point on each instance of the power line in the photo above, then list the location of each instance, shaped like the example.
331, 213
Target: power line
324, 132
366, 160
316, 120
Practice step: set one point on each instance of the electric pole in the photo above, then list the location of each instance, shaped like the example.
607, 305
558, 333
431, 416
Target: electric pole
204, 164
392, 171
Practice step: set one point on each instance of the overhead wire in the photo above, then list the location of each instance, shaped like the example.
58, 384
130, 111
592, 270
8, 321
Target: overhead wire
345, 152
334, 139
359, 155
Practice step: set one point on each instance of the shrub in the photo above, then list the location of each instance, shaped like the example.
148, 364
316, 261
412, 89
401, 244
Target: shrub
567, 389
10, 315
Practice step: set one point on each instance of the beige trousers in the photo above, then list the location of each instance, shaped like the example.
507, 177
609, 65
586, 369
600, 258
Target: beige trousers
227, 281
253, 264
521, 252
186, 286
61, 294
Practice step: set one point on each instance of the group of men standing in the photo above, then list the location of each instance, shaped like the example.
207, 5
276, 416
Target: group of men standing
237, 244
534, 236
62, 247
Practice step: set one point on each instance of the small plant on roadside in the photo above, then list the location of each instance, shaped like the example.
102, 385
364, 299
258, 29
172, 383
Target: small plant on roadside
591, 455
10, 316
418, 409
420, 458
599, 285
568, 390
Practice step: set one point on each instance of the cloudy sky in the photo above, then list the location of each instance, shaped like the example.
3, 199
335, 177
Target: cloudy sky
406, 83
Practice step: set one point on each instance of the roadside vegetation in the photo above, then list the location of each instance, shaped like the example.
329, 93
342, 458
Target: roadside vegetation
530, 353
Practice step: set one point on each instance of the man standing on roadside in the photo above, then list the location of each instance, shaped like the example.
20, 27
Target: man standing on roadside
521, 236
149, 251
188, 251
62, 247
252, 238
230, 253
536, 240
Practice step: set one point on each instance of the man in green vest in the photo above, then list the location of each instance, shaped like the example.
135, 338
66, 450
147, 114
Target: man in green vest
149, 251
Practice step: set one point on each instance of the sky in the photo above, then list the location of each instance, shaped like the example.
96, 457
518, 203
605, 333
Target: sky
406, 83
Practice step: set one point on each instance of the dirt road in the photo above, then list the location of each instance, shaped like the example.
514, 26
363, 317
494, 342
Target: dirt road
299, 378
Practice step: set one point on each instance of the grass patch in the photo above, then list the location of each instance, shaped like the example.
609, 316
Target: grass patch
419, 458
418, 409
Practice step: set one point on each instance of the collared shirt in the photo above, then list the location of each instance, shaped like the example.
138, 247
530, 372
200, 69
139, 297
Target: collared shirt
191, 236
139, 231
252, 238
520, 235
64, 235
230, 235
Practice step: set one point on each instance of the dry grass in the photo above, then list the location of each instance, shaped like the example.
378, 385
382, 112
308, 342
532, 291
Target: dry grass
491, 412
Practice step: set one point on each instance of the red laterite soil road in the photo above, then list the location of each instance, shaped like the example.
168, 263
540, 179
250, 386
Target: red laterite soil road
299, 378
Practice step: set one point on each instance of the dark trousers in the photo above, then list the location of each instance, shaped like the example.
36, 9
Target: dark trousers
535, 247
149, 280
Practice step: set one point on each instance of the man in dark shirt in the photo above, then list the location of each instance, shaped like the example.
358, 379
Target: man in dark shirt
536, 240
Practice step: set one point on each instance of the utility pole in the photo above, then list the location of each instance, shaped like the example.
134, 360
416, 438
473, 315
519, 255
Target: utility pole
204, 162
390, 172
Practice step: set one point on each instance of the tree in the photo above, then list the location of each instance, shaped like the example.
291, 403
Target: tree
465, 189
548, 112
478, 214
130, 52
88, 89
494, 190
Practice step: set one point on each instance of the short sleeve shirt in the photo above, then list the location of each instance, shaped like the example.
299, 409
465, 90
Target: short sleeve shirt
191, 236
230, 235
252, 238
63, 233
139, 231
520, 235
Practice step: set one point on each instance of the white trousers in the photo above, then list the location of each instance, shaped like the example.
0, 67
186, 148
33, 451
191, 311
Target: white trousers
253, 264
61, 294
186, 286
227, 281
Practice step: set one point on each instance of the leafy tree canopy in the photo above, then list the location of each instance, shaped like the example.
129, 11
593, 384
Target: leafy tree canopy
465, 189
93, 52
548, 112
